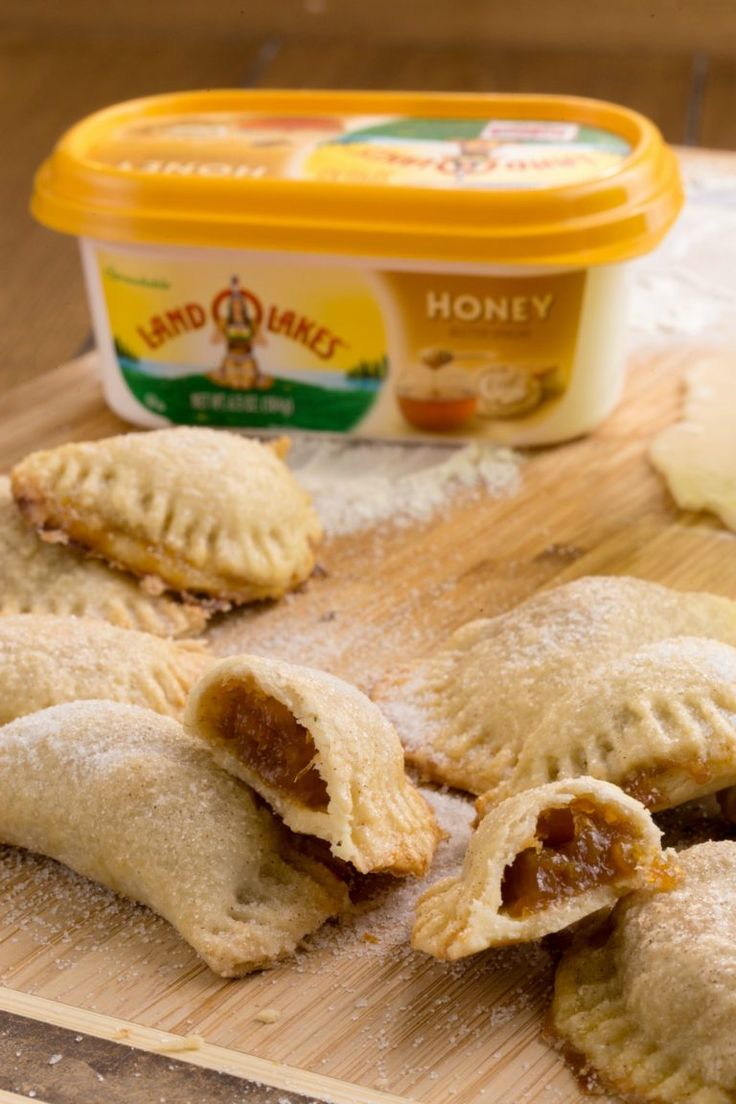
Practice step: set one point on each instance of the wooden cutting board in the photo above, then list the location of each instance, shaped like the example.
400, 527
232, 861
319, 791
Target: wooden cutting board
358, 1017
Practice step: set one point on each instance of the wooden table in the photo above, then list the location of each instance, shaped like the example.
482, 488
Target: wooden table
113, 991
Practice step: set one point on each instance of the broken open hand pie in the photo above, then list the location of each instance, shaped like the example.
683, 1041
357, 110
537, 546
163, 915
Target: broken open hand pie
46, 660
321, 754
539, 862
204, 512
465, 712
127, 798
37, 577
647, 1004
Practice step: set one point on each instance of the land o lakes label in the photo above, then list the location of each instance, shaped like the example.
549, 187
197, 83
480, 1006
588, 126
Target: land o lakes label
338, 347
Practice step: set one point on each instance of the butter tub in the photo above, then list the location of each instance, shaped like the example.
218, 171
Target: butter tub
388, 265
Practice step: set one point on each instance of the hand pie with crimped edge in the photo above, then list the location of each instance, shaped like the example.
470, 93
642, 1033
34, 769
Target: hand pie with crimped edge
647, 1004
321, 754
37, 577
46, 660
125, 797
539, 862
465, 712
203, 512
660, 723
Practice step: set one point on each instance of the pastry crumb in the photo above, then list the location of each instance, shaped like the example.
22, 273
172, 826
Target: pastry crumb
267, 1016
178, 1043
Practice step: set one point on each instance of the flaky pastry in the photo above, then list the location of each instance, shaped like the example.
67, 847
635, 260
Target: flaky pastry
322, 755
541, 861
47, 660
647, 1006
123, 796
37, 577
204, 512
465, 712
659, 722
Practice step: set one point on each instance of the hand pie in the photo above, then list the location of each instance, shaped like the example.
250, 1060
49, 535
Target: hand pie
125, 797
660, 723
465, 712
46, 660
36, 577
321, 754
200, 511
648, 1005
539, 862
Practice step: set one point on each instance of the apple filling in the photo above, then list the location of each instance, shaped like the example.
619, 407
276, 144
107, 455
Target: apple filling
269, 740
578, 847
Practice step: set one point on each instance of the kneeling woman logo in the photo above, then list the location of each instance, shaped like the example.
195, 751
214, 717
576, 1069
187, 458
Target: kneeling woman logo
238, 315
265, 345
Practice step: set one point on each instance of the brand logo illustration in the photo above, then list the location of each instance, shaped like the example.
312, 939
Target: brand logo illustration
242, 321
238, 316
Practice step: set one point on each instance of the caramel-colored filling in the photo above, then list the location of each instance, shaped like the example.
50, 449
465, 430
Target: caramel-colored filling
580, 847
645, 785
265, 736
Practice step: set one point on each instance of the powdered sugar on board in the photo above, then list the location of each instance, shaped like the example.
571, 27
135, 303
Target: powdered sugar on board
359, 485
685, 288
369, 495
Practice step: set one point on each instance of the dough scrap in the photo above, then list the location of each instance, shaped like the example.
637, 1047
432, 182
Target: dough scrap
47, 660
321, 754
659, 722
125, 797
649, 1004
37, 577
697, 455
204, 512
465, 712
541, 861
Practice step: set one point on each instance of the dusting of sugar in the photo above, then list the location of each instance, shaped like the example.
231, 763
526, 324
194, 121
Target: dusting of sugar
387, 919
356, 486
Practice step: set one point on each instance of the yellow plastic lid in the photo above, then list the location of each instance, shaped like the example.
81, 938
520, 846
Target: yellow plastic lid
511, 179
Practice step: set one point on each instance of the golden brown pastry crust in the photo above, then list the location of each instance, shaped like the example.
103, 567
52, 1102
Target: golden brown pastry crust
329, 734
660, 723
125, 797
465, 712
484, 906
203, 512
38, 577
47, 660
648, 1004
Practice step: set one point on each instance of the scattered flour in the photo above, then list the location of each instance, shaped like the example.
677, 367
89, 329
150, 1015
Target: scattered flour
685, 288
359, 485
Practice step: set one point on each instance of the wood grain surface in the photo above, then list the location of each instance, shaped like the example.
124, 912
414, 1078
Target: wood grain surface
659, 86
718, 125
104, 1060
631, 24
358, 1005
